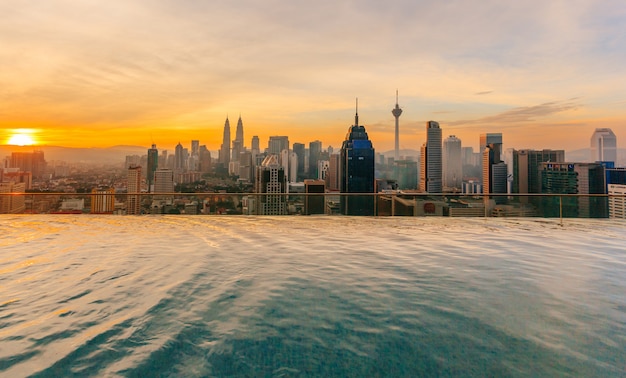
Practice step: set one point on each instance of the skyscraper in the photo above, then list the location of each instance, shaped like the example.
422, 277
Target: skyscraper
603, 145
239, 131
224, 157
431, 164
164, 181
527, 166
333, 179
298, 149
452, 163
494, 173
616, 188
153, 163
276, 144
495, 139
357, 171
33, 162
315, 149
491, 150
396, 113
255, 146
179, 159
194, 159
270, 181
205, 159
238, 146
574, 178
133, 186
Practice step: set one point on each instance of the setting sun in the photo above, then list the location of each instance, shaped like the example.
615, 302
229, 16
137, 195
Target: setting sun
21, 140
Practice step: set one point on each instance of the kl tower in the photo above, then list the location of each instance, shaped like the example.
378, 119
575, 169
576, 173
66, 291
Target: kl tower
396, 113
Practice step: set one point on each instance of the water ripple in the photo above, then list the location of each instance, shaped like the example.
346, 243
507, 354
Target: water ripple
311, 296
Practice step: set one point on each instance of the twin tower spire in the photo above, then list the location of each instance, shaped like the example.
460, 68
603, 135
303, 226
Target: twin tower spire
237, 143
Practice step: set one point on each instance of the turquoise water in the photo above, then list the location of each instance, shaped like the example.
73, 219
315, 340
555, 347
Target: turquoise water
311, 296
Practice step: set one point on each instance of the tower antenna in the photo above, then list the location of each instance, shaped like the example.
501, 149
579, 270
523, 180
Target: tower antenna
397, 111
356, 116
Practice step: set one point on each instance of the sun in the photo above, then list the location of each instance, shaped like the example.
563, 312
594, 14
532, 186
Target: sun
21, 140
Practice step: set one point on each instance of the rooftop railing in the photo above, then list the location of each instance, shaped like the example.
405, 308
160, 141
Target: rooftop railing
374, 204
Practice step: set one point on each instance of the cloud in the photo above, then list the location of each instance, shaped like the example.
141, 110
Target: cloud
521, 114
483, 93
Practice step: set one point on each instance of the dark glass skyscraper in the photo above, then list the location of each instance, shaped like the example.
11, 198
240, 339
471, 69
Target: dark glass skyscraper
153, 163
357, 171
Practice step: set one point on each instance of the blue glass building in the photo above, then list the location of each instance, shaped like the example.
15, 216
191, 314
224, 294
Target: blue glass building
357, 171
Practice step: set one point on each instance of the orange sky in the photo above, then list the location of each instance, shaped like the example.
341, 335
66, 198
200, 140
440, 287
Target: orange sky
93, 74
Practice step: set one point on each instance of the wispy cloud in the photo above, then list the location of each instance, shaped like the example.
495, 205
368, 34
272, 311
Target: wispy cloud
185, 63
522, 114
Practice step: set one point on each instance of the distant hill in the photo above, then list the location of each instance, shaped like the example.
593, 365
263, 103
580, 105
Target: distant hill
403, 152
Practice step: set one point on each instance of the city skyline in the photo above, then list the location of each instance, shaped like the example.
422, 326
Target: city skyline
97, 75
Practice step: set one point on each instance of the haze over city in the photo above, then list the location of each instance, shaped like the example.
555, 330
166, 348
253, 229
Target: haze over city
94, 74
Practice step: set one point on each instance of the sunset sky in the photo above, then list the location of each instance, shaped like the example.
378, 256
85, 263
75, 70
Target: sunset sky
102, 73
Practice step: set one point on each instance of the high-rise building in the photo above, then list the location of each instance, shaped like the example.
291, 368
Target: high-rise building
163, 159
406, 173
193, 162
493, 139
239, 130
163, 181
179, 159
16, 175
298, 149
315, 149
224, 157
276, 144
33, 162
603, 145
431, 160
153, 163
102, 200
494, 174
12, 204
573, 178
333, 179
526, 167
616, 188
357, 171
246, 166
397, 111
491, 150
452, 163
205, 159
133, 186
284, 162
238, 143
271, 184
255, 146
293, 167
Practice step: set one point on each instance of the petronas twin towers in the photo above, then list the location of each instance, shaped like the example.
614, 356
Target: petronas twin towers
226, 154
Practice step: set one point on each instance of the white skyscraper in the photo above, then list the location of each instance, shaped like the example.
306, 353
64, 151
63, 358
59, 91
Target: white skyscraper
603, 145
452, 163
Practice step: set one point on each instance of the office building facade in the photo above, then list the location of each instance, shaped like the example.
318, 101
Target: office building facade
357, 171
431, 160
